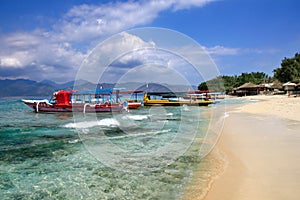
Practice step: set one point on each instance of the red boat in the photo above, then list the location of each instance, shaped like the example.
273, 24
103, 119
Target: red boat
72, 101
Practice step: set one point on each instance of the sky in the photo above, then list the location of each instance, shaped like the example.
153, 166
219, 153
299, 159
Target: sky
51, 39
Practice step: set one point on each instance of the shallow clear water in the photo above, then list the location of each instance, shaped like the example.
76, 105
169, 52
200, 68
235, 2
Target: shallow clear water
51, 156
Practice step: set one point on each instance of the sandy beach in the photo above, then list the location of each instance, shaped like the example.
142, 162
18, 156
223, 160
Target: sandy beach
261, 143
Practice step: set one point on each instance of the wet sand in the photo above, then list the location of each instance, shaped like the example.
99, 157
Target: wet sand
261, 143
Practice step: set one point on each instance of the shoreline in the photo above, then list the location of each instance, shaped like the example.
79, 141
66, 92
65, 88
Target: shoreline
203, 179
261, 146
260, 153
280, 106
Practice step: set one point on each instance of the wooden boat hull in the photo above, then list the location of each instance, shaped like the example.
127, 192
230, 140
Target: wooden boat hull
134, 105
170, 99
45, 107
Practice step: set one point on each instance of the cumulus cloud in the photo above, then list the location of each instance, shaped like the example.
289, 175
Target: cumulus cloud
183, 4
57, 53
51, 60
92, 21
10, 62
127, 58
114, 57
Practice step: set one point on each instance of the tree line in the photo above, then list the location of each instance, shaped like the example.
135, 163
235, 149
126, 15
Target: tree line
288, 71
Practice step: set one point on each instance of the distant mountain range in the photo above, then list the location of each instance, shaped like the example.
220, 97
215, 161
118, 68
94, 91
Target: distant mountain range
24, 87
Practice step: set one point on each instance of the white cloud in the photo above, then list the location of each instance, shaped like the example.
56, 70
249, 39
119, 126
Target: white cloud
116, 52
50, 59
184, 4
221, 50
57, 53
155, 74
92, 21
10, 62
127, 57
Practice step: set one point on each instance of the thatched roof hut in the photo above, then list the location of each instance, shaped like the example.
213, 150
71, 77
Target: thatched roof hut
277, 85
289, 86
247, 89
248, 85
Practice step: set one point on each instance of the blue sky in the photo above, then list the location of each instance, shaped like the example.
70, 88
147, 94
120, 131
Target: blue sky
50, 39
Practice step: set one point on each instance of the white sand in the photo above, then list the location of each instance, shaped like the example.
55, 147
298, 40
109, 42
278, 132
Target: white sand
280, 106
262, 147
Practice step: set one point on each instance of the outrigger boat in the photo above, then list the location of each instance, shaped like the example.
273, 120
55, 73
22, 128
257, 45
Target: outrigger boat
176, 99
210, 94
102, 100
135, 99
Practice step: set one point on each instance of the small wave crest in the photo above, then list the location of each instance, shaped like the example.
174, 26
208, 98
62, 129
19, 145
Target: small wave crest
110, 122
185, 108
254, 100
73, 141
136, 117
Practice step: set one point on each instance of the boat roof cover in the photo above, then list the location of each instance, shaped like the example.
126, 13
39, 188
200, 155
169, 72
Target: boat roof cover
63, 97
92, 92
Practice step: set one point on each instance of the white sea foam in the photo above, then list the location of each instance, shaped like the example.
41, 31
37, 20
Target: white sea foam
160, 114
73, 141
136, 117
110, 122
254, 100
185, 108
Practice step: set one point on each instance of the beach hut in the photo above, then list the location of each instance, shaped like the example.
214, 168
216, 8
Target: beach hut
277, 87
265, 88
297, 88
289, 87
247, 89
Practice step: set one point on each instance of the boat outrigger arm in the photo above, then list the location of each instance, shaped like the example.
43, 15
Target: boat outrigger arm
37, 102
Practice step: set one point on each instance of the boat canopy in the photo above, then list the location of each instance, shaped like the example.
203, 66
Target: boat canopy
92, 92
63, 97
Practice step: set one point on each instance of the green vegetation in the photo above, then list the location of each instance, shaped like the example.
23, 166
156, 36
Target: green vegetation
227, 83
289, 71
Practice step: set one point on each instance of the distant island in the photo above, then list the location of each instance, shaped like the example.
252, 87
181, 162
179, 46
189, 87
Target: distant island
25, 87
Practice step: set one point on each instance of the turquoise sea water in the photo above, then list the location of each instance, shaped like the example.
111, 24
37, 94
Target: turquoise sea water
51, 156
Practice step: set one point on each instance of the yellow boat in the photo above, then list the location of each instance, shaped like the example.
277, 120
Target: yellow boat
171, 99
